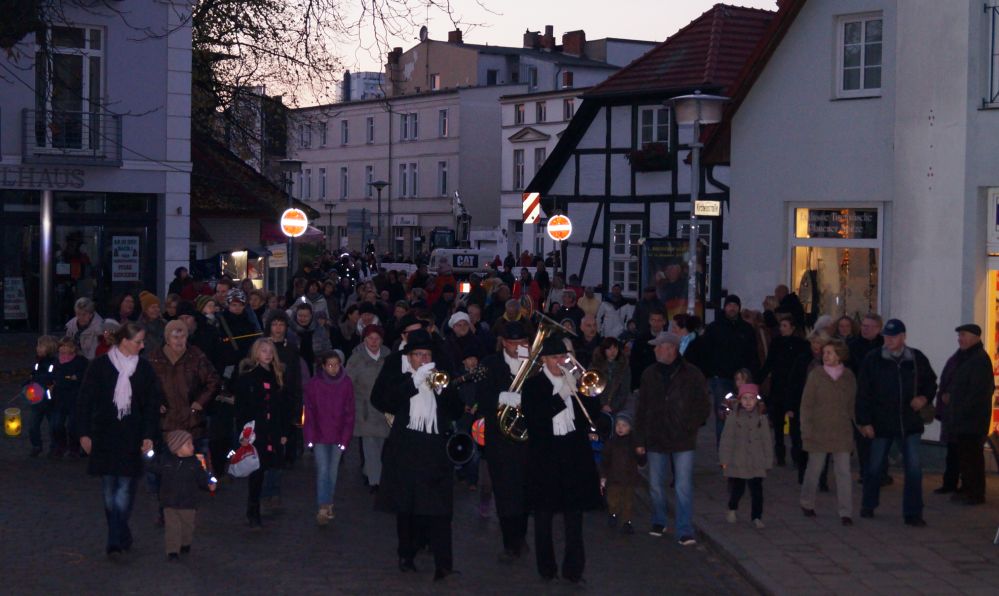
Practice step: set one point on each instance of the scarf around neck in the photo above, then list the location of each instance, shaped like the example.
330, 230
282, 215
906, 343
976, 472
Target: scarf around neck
834, 372
125, 365
513, 363
563, 423
422, 405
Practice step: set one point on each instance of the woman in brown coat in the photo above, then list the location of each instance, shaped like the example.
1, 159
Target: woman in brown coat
827, 405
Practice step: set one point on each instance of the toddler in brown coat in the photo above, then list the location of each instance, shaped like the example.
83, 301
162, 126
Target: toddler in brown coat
746, 452
619, 473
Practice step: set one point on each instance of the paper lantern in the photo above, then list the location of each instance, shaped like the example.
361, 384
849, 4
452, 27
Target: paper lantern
12, 422
34, 393
479, 432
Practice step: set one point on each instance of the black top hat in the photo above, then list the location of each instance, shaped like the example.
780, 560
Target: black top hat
514, 330
409, 320
418, 340
553, 346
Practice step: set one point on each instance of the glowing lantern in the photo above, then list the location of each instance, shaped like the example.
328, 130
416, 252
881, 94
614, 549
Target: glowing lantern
34, 393
479, 432
12, 422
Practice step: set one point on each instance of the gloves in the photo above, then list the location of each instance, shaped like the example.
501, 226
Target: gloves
509, 398
420, 375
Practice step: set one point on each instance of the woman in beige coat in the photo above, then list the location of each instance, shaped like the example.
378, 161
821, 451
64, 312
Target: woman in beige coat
827, 427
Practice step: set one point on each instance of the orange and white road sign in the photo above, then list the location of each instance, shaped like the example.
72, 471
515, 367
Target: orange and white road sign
559, 227
294, 222
532, 207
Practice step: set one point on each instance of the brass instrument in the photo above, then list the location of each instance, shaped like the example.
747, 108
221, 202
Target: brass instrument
438, 380
511, 418
589, 382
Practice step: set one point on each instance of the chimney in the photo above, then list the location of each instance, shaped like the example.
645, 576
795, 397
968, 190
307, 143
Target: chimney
393, 71
548, 40
573, 42
532, 40
345, 93
454, 36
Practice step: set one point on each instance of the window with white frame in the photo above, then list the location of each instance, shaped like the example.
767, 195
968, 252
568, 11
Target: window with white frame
369, 177
653, 125
305, 136
992, 13
859, 55
322, 134
624, 253
540, 155
435, 82
540, 111
532, 77
518, 113
408, 181
518, 169
308, 184
369, 125
568, 108
344, 132
442, 123
344, 183
299, 190
442, 178
408, 127
567, 79
322, 183
69, 88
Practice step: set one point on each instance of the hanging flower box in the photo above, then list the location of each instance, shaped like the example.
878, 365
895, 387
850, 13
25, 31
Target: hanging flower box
652, 157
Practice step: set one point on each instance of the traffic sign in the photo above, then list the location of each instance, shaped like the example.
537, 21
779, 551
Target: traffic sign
559, 227
294, 222
707, 208
532, 206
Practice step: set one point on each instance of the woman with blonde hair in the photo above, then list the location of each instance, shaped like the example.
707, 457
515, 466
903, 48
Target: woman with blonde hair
260, 399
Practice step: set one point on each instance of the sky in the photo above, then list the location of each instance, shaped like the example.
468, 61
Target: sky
503, 22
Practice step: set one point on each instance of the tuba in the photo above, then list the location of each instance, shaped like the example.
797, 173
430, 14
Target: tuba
511, 418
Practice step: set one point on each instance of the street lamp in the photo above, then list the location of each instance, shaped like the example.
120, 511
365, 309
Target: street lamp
695, 109
378, 185
290, 167
330, 207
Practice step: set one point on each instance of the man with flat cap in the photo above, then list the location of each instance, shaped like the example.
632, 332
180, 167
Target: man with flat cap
561, 473
506, 458
894, 384
964, 406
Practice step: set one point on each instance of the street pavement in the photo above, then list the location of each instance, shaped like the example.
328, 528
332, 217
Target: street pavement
52, 532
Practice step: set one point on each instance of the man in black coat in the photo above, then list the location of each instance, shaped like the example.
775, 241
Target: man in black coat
868, 341
785, 350
506, 457
562, 476
642, 354
729, 343
895, 383
965, 407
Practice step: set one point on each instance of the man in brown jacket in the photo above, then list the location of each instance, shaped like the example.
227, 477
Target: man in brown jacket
673, 404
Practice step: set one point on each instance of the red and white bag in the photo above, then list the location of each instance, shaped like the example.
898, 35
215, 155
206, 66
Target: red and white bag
244, 461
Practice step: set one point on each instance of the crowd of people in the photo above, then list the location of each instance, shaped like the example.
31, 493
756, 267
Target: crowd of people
352, 356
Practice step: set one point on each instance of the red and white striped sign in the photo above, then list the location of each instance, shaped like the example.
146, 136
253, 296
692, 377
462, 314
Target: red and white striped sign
532, 207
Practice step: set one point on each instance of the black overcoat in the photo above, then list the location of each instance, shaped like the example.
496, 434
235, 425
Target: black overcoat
507, 458
261, 399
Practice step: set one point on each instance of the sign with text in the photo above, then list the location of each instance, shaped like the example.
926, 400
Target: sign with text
665, 263
707, 208
15, 301
279, 255
124, 258
838, 223
465, 261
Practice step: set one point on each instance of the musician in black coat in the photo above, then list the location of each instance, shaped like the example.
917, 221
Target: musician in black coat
506, 458
561, 473
418, 479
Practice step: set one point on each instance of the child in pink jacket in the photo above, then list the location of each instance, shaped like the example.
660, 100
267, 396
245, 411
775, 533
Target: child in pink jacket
329, 425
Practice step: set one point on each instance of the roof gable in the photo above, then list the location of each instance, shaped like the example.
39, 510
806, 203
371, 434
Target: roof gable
528, 134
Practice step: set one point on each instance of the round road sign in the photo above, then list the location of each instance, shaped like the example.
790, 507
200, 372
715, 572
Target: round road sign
559, 227
294, 222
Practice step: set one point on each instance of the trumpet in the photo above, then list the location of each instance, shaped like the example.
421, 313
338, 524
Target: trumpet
589, 382
438, 380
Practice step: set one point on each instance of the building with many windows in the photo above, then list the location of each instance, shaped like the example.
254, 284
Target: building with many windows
94, 159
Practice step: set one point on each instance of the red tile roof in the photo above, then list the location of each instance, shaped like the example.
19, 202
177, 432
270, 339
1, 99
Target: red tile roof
708, 53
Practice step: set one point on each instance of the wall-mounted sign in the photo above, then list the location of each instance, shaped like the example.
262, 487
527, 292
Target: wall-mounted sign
51, 178
707, 208
559, 227
294, 222
836, 223
407, 220
15, 301
124, 258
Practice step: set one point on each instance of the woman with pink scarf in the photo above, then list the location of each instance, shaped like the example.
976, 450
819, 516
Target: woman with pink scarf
827, 406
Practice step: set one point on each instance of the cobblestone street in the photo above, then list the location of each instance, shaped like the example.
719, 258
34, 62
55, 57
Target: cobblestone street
53, 531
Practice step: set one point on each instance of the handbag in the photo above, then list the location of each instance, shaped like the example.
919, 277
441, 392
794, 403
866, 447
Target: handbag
245, 460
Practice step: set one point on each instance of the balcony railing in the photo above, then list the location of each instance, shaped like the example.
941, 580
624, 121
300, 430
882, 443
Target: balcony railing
61, 137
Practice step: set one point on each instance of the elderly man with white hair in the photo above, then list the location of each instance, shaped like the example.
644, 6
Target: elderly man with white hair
86, 328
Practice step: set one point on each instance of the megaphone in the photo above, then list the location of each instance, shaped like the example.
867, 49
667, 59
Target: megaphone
460, 448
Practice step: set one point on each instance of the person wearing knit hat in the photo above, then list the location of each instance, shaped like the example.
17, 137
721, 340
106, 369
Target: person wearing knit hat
619, 475
729, 344
151, 320
369, 329
745, 453
201, 301
181, 475
148, 299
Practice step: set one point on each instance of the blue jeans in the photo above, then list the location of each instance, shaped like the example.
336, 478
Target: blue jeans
683, 483
720, 387
119, 494
912, 494
327, 467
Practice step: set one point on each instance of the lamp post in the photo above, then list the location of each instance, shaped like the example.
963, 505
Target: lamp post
378, 185
330, 207
290, 167
695, 110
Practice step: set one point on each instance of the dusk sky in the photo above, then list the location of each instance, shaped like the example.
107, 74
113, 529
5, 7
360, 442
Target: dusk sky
504, 22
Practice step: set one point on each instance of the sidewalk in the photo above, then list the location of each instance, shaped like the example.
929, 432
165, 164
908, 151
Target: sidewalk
954, 554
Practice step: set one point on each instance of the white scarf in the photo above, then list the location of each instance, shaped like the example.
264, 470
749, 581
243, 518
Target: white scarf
514, 363
563, 423
423, 405
125, 365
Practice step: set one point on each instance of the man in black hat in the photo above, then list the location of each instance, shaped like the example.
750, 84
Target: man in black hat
729, 344
964, 406
417, 479
894, 385
506, 458
561, 474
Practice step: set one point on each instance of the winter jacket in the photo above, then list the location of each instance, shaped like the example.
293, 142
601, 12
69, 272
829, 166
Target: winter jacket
970, 408
68, 378
610, 319
730, 345
860, 348
191, 379
116, 443
783, 353
673, 403
886, 387
619, 462
363, 372
260, 398
617, 393
180, 479
88, 338
746, 447
329, 409
827, 411
155, 328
